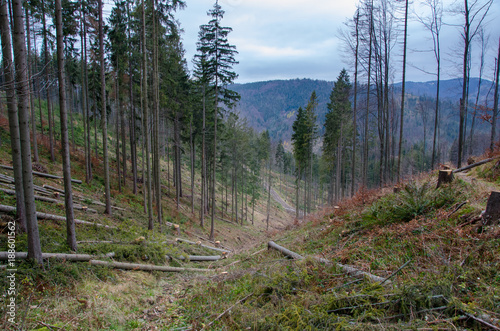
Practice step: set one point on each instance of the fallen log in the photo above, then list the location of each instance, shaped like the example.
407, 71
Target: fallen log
41, 174
201, 245
44, 216
52, 188
45, 199
4, 256
211, 241
284, 251
144, 267
198, 258
94, 202
348, 269
477, 164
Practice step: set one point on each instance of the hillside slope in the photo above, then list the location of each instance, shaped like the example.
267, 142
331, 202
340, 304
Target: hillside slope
272, 105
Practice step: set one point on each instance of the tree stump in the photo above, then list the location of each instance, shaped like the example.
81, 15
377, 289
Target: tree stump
445, 176
492, 214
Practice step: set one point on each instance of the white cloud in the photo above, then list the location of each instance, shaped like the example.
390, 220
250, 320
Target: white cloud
281, 39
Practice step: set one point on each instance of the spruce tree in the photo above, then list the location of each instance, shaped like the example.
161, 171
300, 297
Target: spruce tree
339, 111
219, 57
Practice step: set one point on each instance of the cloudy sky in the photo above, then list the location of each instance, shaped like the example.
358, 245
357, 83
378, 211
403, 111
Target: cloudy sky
286, 39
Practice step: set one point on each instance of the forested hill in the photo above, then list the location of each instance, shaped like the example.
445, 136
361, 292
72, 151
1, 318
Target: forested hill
273, 104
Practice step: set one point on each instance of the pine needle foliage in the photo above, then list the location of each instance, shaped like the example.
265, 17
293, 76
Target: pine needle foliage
413, 201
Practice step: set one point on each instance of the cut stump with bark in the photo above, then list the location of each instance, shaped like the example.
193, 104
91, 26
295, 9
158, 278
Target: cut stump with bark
445, 176
492, 214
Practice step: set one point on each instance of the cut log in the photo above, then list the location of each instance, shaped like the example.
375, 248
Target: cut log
44, 216
4, 256
492, 214
348, 269
477, 164
200, 258
144, 267
201, 245
94, 202
52, 188
445, 176
45, 199
41, 174
284, 251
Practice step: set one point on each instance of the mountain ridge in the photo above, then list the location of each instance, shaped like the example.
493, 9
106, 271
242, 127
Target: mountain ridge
272, 104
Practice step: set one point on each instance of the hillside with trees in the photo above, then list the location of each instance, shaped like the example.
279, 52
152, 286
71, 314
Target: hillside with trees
137, 193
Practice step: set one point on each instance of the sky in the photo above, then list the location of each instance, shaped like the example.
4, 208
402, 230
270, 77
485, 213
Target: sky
287, 39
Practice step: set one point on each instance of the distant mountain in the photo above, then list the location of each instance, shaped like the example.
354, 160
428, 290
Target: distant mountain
450, 90
272, 105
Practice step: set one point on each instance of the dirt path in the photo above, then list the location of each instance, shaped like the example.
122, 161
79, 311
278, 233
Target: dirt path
282, 202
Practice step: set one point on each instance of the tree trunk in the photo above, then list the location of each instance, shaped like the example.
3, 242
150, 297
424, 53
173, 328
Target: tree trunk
12, 108
85, 95
445, 176
400, 150
465, 79
365, 146
492, 214
145, 267
47, 81
191, 143
156, 123
68, 198
355, 107
107, 190
268, 196
436, 116
146, 120
117, 133
31, 87
203, 162
59, 256
133, 142
495, 103
34, 248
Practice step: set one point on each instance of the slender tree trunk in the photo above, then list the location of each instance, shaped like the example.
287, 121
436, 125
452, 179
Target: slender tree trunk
355, 108
476, 105
365, 152
39, 90
19, 46
495, 102
124, 140
107, 190
146, 120
203, 162
133, 143
339, 164
403, 84
463, 100
31, 87
191, 143
117, 133
49, 105
85, 87
156, 123
12, 108
268, 209
68, 197
436, 115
